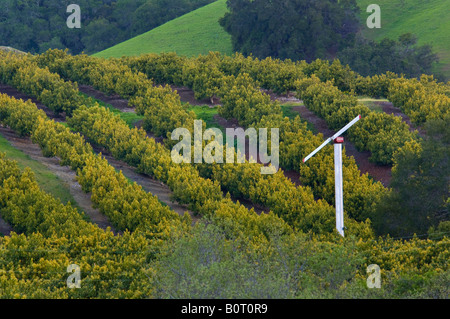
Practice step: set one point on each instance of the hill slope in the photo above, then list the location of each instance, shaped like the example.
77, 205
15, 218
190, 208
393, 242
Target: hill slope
197, 32
428, 19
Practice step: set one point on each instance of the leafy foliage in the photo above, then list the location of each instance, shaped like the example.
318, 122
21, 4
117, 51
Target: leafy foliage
420, 197
305, 31
161, 254
368, 57
104, 22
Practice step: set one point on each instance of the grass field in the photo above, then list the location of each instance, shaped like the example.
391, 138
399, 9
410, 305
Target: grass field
428, 19
197, 32
46, 179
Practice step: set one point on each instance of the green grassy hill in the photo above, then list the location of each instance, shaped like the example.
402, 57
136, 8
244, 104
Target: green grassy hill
428, 19
197, 32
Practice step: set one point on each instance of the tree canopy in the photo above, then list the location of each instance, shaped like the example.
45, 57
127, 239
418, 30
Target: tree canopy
420, 181
35, 26
294, 29
368, 57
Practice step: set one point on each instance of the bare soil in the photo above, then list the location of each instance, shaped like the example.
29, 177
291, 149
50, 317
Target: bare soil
288, 97
188, 95
119, 103
9, 90
65, 173
149, 184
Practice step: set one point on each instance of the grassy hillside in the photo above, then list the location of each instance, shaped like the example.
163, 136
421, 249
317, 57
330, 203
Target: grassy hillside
428, 19
46, 179
197, 32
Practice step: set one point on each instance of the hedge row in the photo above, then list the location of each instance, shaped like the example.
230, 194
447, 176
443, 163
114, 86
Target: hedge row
379, 133
59, 95
162, 108
295, 205
197, 190
52, 237
127, 205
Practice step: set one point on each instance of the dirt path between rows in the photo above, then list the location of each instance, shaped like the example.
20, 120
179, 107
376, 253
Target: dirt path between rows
188, 95
65, 173
9, 90
115, 100
149, 184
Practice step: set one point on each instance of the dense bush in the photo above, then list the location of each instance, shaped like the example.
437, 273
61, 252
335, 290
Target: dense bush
420, 100
53, 236
104, 22
58, 95
402, 56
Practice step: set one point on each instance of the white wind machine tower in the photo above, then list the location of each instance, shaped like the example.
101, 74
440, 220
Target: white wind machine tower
338, 140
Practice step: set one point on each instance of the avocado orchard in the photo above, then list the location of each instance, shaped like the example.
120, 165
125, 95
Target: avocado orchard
116, 266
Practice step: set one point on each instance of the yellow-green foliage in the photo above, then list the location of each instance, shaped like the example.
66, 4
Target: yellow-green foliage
101, 126
269, 73
414, 255
105, 75
376, 86
49, 88
380, 133
420, 100
325, 100
162, 68
29, 210
104, 128
383, 134
34, 263
163, 111
21, 122
361, 194
242, 100
127, 205
342, 76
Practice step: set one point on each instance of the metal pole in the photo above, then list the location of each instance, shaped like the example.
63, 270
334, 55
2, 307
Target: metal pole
345, 128
338, 180
317, 149
338, 185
